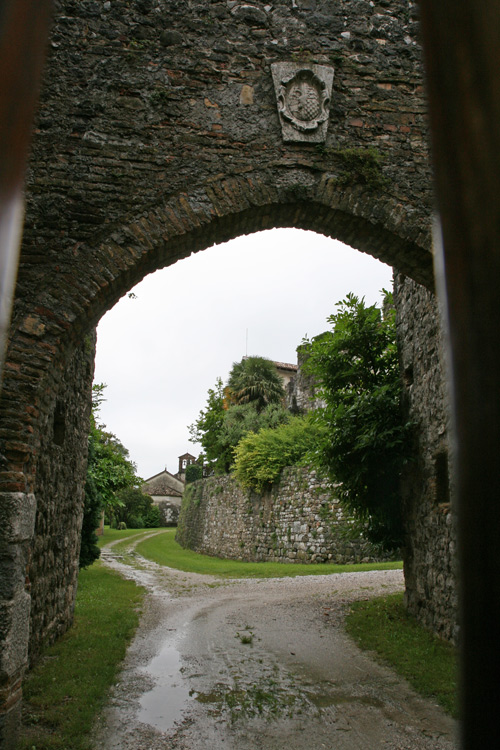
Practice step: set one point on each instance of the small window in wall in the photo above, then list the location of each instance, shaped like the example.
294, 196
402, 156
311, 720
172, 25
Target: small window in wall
408, 376
442, 478
59, 424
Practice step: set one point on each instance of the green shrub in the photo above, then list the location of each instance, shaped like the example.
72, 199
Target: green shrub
260, 457
365, 441
89, 551
135, 522
153, 518
193, 473
229, 416
134, 506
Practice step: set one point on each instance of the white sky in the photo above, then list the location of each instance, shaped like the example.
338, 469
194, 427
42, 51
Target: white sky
160, 353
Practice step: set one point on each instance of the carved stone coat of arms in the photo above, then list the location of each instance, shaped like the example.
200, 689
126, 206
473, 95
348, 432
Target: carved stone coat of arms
303, 95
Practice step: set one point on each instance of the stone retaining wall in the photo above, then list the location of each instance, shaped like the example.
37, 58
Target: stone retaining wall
298, 520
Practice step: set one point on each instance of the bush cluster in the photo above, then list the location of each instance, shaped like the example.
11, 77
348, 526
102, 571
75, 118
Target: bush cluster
261, 456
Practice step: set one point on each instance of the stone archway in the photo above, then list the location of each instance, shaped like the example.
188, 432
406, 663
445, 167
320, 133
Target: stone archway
158, 135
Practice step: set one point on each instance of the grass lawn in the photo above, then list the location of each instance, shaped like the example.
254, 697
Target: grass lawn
164, 550
112, 535
429, 664
70, 683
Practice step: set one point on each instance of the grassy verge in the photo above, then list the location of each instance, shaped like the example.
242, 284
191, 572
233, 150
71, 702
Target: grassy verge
382, 625
69, 685
164, 550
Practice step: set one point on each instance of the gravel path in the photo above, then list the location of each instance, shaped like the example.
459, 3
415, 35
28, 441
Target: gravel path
259, 664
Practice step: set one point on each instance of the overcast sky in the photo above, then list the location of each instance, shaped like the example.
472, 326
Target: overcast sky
160, 352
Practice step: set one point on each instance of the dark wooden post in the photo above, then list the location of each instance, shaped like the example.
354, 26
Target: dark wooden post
23, 36
462, 52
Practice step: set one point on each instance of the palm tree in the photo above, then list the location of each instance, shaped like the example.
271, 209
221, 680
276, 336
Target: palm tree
255, 380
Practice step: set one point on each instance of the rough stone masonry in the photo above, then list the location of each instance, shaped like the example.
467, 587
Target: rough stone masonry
299, 519
160, 132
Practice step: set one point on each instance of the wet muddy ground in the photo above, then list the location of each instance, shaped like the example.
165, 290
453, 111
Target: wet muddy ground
260, 664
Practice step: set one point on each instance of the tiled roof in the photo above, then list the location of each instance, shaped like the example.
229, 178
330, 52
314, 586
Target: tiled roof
161, 489
286, 366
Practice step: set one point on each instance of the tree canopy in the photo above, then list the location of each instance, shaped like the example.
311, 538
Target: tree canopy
252, 399
255, 380
109, 470
365, 439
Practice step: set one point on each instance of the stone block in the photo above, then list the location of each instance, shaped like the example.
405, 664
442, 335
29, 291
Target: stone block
303, 93
15, 619
17, 517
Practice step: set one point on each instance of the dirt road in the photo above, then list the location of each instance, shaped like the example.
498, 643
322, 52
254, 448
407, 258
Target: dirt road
251, 665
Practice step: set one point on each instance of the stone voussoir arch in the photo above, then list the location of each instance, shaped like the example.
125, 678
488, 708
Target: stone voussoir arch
159, 135
68, 309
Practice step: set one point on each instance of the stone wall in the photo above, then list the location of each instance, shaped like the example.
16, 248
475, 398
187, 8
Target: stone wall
299, 520
40, 530
59, 491
169, 512
429, 563
302, 390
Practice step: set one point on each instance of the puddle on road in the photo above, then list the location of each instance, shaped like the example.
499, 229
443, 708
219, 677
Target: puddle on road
164, 705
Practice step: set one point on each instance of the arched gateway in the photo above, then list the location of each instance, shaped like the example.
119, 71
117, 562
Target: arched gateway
165, 127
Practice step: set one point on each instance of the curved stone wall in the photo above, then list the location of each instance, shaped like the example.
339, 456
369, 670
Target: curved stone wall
298, 520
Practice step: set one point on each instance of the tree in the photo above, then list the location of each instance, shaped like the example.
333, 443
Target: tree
109, 470
92, 509
255, 380
133, 508
365, 442
193, 472
242, 419
206, 430
221, 426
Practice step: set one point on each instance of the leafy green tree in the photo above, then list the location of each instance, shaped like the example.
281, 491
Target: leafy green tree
255, 380
220, 427
109, 470
89, 551
193, 472
261, 456
206, 429
240, 420
133, 507
365, 441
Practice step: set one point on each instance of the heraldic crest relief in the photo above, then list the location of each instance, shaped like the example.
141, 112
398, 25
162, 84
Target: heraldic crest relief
303, 95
